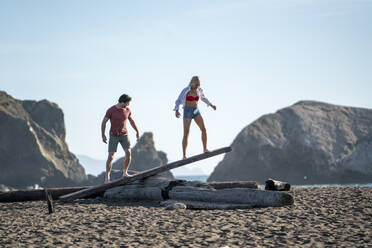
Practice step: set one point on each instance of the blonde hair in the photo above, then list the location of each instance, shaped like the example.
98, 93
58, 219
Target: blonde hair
194, 80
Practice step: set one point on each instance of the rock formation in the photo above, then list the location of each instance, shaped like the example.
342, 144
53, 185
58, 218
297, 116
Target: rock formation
307, 143
32, 145
144, 157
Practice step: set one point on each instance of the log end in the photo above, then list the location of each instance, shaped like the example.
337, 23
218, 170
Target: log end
276, 185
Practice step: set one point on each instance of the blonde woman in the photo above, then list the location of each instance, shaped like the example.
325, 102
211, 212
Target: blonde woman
189, 98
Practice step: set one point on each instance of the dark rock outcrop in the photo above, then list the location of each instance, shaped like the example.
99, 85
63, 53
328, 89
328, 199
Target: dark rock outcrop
32, 145
307, 143
144, 157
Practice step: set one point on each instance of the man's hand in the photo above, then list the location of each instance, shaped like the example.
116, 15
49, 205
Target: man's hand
137, 136
104, 139
178, 114
213, 106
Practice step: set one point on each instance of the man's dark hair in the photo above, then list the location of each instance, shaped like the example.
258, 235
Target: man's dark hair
124, 98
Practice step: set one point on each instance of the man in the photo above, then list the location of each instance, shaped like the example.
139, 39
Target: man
118, 116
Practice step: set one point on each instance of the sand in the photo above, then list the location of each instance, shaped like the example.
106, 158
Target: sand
321, 217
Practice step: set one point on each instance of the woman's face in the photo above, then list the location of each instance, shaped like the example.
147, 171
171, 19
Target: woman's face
195, 86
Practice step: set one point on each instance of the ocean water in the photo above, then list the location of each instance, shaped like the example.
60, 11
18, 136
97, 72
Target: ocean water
203, 178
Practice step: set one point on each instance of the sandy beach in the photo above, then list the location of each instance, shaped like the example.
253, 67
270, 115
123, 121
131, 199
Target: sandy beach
320, 217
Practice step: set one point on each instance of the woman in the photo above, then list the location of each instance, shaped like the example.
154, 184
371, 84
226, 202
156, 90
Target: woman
189, 98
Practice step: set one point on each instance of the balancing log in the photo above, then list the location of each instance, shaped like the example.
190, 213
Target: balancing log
272, 184
141, 175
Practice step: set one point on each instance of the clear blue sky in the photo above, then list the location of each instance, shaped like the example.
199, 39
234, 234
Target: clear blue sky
253, 58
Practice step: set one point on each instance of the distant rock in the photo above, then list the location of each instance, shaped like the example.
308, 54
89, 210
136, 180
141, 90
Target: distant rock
144, 157
189, 170
307, 143
92, 166
33, 150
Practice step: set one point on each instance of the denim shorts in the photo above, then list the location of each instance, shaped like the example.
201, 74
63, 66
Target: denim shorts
115, 140
190, 112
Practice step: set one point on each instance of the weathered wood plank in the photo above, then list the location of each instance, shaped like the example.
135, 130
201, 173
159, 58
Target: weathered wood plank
141, 175
230, 185
37, 194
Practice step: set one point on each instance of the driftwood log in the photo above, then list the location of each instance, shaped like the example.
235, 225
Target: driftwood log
38, 194
272, 184
149, 189
252, 197
230, 185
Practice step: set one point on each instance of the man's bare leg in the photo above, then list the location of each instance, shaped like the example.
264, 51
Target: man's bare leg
108, 166
127, 162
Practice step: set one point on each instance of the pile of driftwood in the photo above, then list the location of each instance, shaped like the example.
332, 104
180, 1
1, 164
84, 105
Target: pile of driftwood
197, 195
175, 193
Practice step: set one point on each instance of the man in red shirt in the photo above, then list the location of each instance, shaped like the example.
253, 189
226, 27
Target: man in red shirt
118, 116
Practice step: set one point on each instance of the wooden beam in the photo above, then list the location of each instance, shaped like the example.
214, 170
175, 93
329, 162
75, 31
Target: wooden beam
141, 175
37, 194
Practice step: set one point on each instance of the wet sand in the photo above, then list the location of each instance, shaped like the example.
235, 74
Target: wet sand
320, 217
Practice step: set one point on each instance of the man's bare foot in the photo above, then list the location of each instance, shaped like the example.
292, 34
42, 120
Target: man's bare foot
126, 175
206, 151
107, 178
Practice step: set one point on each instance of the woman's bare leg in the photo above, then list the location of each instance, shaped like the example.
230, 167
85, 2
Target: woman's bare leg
186, 131
199, 120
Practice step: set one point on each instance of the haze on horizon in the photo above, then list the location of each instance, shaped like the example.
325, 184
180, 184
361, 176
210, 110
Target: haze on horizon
253, 58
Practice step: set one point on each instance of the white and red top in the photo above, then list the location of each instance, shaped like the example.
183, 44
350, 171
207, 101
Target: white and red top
181, 100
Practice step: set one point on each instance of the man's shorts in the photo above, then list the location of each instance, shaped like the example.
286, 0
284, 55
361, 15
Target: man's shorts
190, 112
114, 140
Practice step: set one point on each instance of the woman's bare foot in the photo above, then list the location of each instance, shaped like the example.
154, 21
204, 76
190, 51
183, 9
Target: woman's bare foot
184, 157
206, 151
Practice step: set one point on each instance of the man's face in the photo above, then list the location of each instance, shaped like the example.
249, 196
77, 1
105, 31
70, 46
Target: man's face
125, 104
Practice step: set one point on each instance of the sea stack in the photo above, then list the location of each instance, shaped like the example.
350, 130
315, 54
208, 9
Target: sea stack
307, 143
33, 149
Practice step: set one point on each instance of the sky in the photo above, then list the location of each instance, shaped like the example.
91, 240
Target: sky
253, 58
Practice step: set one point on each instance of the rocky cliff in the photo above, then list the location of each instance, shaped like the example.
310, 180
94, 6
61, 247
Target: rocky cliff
144, 157
309, 142
32, 145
